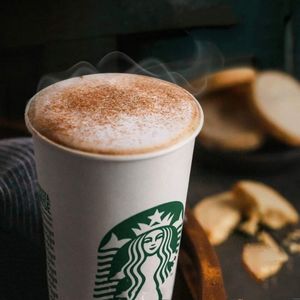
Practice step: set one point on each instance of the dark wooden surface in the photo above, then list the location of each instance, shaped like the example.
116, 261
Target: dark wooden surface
22, 269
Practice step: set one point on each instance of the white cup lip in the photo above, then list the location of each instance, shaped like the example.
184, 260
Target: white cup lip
116, 157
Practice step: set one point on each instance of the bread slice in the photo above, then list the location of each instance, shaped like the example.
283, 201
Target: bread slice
276, 100
229, 124
274, 210
267, 239
251, 224
219, 215
225, 79
292, 241
263, 259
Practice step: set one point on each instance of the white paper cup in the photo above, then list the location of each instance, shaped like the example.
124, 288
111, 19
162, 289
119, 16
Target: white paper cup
112, 224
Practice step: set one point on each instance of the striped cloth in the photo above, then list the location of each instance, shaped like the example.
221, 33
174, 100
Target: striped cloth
19, 207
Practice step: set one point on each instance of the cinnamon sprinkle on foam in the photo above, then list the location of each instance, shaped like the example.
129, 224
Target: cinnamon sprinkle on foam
114, 113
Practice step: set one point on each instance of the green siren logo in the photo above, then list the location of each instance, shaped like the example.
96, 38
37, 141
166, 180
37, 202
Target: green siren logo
137, 257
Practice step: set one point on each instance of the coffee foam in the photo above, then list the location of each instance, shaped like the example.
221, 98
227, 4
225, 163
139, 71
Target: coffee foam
114, 113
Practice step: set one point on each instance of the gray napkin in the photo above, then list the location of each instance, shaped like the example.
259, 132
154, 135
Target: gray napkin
19, 207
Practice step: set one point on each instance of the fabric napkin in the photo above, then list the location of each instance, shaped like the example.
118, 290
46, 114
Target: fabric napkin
19, 206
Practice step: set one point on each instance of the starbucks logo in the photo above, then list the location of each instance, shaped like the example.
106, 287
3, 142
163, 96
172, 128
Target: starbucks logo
136, 257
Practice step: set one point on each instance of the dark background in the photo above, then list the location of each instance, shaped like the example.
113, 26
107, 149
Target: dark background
39, 37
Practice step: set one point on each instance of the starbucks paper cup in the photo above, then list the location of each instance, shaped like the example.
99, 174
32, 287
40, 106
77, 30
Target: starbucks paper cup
112, 223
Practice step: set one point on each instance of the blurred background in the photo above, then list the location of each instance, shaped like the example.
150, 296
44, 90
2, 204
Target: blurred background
42, 37
50, 36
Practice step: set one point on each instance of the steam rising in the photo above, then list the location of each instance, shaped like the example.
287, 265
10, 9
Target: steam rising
206, 59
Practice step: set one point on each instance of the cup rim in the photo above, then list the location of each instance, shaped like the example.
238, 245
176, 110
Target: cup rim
116, 157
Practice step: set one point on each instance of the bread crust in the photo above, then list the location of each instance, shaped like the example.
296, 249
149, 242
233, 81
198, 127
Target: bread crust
271, 124
229, 123
226, 79
274, 209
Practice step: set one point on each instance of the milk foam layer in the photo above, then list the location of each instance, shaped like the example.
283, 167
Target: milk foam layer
114, 113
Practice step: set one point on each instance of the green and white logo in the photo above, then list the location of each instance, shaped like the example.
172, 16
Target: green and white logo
136, 257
